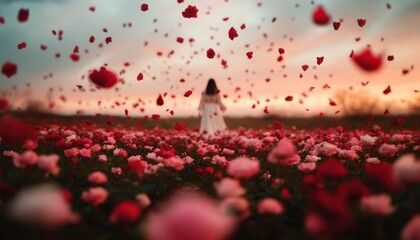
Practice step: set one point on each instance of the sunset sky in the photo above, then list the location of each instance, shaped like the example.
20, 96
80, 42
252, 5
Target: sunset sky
389, 31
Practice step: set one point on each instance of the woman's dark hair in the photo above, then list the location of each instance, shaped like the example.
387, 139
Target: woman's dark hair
211, 88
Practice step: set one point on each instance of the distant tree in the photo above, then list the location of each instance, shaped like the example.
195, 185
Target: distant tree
414, 106
357, 103
36, 106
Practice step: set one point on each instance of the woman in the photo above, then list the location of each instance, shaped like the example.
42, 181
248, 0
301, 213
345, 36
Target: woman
210, 110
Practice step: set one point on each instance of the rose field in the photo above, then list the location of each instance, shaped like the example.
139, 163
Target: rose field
102, 182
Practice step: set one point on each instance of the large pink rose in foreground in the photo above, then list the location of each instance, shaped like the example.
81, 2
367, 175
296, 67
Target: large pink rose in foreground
243, 168
189, 217
411, 231
43, 205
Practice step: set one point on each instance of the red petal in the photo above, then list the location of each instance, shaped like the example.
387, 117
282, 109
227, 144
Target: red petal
319, 60
305, 67
140, 77
336, 25
108, 40
75, 57
281, 50
103, 78
232, 33
22, 45
210, 53
9, 69
188, 93
320, 16
23, 15
180, 39
289, 98
190, 12
144, 7
361, 22
92, 39
249, 54
367, 61
159, 100
387, 90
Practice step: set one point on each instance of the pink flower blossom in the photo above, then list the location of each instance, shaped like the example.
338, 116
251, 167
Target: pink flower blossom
411, 231
143, 200
243, 168
284, 151
116, 170
42, 205
48, 163
27, 158
84, 152
235, 206
102, 158
175, 162
367, 140
348, 154
228, 187
327, 148
189, 218
72, 152
388, 150
270, 206
97, 178
379, 205
30, 144
407, 170
373, 160
95, 195
306, 166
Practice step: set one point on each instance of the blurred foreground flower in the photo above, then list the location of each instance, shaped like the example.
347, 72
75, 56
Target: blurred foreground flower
412, 230
189, 217
43, 205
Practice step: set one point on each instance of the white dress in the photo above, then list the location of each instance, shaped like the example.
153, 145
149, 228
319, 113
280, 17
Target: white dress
211, 108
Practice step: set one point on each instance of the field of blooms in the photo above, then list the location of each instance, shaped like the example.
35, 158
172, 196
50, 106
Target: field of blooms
91, 182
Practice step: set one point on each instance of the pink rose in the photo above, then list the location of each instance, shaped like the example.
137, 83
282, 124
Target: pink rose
407, 170
85, 152
228, 187
189, 217
116, 170
293, 160
30, 144
315, 224
95, 195
348, 154
270, 206
411, 231
388, 150
97, 178
175, 162
48, 163
367, 140
143, 200
27, 158
379, 205
42, 205
284, 150
373, 160
72, 152
243, 168
235, 206
306, 166
102, 158
327, 148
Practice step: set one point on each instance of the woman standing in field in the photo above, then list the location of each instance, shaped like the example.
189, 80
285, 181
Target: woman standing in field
210, 110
